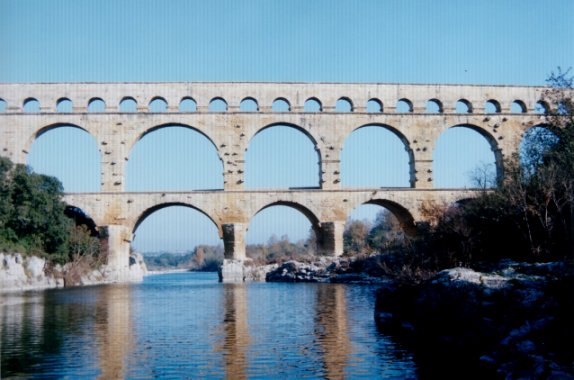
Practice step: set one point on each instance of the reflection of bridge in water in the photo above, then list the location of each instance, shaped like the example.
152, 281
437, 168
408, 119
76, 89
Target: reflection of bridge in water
326, 113
104, 332
330, 331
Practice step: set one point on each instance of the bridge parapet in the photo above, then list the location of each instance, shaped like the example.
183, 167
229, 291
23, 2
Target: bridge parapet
264, 95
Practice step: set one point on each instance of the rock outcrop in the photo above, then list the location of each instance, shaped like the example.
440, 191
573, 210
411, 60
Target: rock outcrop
235, 271
329, 269
28, 273
323, 269
514, 322
19, 273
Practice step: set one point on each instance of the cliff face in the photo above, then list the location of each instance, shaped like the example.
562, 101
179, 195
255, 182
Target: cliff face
19, 273
27, 273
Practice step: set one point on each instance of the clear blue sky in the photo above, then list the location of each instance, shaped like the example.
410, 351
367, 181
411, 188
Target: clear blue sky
475, 42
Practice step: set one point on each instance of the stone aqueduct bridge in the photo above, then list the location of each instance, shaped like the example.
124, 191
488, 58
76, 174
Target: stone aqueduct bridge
231, 209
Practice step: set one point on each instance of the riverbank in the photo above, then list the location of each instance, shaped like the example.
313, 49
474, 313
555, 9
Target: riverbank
368, 270
21, 273
512, 322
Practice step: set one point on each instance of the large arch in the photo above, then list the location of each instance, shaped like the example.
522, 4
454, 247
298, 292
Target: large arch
271, 147
202, 149
460, 148
284, 213
150, 210
156, 227
146, 131
310, 215
374, 226
68, 152
402, 214
347, 163
81, 217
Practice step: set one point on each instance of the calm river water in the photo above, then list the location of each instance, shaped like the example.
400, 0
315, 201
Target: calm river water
190, 326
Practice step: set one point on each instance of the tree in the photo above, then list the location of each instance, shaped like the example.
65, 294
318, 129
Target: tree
33, 219
354, 237
386, 232
5, 198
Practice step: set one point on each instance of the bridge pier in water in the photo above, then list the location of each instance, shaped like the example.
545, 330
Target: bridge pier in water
231, 270
115, 241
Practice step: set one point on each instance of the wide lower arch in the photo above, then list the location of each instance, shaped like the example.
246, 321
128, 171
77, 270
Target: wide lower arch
315, 223
286, 124
483, 132
150, 210
81, 217
402, 138
310, 215
402, 214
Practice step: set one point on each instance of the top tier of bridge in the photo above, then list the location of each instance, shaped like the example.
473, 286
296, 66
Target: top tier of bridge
357, 95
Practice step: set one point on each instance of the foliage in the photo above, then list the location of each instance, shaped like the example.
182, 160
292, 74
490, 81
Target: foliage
205, 258
362, 238
32, 218
355, 237
167, 260
280, 250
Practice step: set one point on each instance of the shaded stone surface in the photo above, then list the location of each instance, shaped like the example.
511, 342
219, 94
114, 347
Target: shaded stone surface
514, 322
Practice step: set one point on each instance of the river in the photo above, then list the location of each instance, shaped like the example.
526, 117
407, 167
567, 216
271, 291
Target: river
190, 326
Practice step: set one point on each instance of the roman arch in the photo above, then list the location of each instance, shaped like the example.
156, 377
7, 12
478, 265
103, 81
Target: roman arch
97, 109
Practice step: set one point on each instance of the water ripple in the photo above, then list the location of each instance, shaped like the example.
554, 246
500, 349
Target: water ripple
189, 326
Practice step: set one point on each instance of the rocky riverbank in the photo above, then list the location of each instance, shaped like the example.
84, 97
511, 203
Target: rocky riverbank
19, 273
513, 322
328, 269
323, 269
